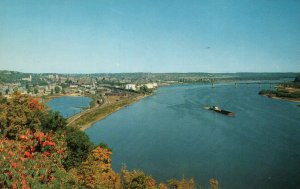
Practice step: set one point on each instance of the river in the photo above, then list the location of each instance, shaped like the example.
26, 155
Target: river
170, 134
69, 105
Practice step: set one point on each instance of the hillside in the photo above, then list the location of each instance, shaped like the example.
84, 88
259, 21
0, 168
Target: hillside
37, 150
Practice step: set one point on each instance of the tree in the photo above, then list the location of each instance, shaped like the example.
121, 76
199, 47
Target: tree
297, 79
3, 100
137, 180
27, 86
22, 112
29, 157
79, 147
182, 184
35, 91
57, 89
96, 171
29, 90
145, 89
34, 159
53, 121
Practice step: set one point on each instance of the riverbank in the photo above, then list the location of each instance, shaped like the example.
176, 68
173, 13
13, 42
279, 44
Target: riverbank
48, 98
283, 93
87, 118
283, 98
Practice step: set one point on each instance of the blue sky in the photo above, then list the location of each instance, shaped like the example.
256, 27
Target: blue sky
69, 36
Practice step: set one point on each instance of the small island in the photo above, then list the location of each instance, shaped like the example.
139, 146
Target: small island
288, 91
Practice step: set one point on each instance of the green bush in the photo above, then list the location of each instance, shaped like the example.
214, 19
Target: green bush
78, 147
53, 121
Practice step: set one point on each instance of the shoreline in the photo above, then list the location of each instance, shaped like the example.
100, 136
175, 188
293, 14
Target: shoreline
47, 98
281, 98
90, 117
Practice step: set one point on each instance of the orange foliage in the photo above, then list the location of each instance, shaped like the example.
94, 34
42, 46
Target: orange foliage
19, 113
182, 184
96, 171
137, 179
214, 183
34, 104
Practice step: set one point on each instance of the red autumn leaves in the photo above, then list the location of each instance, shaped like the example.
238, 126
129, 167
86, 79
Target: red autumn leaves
14, 165
34, 104
31, 151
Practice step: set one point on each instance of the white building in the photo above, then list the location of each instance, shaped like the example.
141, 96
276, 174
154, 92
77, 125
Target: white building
73, 86
130, 87
27, 79
151, 85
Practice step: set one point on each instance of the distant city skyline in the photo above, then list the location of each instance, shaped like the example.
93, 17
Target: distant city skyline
108, 36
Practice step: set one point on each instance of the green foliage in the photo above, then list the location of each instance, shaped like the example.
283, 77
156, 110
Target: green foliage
280, 93
79, 146
181, 184
145, 90
35, 90
137, 180
57, 89
32, 159
11, 76
266, 92
3, 100
100, 112
297, 79
53, 121
104, 146
37, 150
21, 112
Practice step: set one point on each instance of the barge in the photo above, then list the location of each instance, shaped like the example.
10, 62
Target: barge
221, 111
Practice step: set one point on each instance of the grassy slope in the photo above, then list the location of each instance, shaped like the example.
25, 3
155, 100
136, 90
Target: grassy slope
88, 119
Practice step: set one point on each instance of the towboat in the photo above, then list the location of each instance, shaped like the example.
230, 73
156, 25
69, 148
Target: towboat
219, 110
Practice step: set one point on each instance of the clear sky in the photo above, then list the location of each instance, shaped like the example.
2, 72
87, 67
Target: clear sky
91, 36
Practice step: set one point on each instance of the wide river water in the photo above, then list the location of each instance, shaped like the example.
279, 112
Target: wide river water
171, 135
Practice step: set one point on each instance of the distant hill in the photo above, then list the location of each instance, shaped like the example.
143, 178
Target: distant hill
194, 77
11, 76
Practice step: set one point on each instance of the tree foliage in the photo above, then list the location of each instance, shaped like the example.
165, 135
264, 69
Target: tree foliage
53, 121
57, 89
79, 147
297, 79
37, 150
96, 171
137, 180
181, 184
21, 112
144, 89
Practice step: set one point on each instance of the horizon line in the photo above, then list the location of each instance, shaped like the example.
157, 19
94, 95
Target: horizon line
91, 73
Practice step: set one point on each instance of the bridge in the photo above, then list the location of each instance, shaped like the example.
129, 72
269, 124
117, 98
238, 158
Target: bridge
260, 83
257, 83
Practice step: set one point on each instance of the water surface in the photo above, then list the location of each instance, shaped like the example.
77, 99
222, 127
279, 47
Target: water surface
170, 135
69, 105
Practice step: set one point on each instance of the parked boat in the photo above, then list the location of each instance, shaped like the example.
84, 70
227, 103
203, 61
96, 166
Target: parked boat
221, 111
